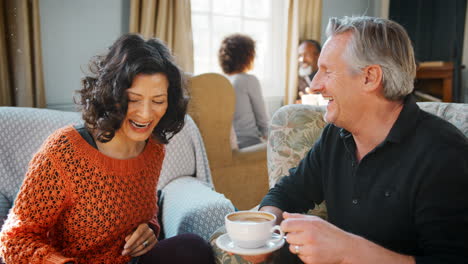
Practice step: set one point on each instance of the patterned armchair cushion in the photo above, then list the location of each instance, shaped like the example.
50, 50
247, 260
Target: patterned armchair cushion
293, 131
23, 131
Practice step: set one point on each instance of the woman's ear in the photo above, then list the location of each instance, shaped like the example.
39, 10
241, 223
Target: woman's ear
250, 66
373, 77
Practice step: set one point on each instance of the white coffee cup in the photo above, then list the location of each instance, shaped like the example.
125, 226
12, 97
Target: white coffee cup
313, 99
252, 229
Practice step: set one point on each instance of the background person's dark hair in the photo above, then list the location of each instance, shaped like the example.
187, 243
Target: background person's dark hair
103, 98
236, 53
313, 42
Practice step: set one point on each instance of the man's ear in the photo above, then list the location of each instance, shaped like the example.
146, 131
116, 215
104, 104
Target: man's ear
372, 77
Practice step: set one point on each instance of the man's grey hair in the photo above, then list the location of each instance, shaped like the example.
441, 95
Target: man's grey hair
383, 42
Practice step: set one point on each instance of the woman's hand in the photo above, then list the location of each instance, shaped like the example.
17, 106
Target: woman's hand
140, 241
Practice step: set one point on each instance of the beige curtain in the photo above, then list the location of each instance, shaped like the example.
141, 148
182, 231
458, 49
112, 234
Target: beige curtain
21, 73
168, 20
310, 19
304, 22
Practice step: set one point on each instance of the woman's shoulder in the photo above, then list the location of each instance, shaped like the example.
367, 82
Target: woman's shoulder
61, 133
156, 148
59, 138
248, 76
244, 79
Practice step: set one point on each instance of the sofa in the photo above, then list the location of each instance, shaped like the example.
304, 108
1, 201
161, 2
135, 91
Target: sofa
293, 131
188, 201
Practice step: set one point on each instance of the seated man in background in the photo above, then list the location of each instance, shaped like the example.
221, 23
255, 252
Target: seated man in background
394, 177
309, 52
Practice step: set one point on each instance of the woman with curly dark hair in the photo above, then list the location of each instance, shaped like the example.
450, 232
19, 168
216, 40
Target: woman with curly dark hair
89, 195
236, 56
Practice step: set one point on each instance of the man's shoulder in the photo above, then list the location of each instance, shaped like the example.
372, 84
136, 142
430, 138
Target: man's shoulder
436, 125
437, 134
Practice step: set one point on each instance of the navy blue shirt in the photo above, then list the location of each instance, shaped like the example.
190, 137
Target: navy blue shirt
409, 194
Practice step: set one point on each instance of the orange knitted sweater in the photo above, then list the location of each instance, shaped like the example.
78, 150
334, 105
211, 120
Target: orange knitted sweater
77, 204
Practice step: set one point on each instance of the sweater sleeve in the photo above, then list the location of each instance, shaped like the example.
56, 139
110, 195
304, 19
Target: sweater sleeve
40, 201
258, 105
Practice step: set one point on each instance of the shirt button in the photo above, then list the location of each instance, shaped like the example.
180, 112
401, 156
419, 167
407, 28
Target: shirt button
387, 194
355, 201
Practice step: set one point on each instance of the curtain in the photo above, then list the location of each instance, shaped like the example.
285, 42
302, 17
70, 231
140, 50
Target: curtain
304, 22
21, 72
168, 20
310, 19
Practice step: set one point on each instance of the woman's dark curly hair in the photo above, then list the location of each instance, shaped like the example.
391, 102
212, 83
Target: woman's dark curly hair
236, 53
103, 98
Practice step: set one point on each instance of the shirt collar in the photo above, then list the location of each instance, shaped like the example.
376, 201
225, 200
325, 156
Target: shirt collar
404, 124
406, 121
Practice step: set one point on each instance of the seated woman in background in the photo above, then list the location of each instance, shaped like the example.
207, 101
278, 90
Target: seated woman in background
236, 56
89, 195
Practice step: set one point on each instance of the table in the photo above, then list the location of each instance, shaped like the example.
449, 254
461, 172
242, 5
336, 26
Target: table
442, 71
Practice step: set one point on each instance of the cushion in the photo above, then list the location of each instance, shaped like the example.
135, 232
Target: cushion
23, 132
185, 156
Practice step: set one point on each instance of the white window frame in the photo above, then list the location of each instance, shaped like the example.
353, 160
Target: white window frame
273, 78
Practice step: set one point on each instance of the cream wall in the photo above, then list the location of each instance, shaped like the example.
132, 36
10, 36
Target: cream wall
339, 8
72, 32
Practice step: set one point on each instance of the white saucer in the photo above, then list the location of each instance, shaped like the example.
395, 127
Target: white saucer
224, 242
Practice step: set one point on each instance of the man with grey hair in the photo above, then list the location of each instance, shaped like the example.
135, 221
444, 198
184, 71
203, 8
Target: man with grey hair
394, 178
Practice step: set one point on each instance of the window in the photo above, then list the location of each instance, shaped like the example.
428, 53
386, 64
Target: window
263, 20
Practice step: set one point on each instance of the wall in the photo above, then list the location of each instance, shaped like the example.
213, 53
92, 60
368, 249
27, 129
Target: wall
340, 8
72, 32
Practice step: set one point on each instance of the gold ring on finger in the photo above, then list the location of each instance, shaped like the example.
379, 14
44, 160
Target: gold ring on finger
145, 243
297, 249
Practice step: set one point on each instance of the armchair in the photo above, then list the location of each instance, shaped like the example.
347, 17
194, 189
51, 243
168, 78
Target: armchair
240, 174
188, 202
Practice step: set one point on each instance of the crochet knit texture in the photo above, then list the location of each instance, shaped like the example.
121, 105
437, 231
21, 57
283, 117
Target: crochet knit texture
77, 204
